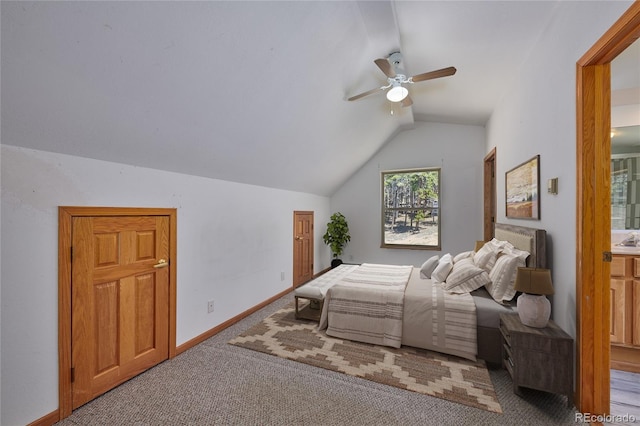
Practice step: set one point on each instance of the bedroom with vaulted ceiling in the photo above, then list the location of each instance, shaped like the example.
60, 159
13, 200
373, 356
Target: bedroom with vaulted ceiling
168, 171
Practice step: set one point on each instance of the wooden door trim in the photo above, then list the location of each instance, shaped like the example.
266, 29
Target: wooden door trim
593, 115
295, 214
489, 190
65, 217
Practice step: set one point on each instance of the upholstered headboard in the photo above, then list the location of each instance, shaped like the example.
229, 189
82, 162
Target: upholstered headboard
529, 239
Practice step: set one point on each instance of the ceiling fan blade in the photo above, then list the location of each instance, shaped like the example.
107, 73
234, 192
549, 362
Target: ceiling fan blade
386, 67
407, 101
367, 93
445, 72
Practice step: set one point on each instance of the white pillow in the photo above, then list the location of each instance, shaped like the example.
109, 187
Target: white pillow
466, 277
445, 264
503, 277
463, 255
428, 267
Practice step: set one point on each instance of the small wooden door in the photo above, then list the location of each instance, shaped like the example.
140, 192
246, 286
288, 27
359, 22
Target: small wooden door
302, 247
120, 300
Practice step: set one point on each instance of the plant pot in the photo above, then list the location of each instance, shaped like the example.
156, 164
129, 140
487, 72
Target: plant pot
336, 262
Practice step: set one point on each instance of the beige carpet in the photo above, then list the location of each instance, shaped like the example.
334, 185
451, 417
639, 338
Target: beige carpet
430, 373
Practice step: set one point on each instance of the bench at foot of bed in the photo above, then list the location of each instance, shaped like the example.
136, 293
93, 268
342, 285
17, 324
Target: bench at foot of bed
315, 290
309, 308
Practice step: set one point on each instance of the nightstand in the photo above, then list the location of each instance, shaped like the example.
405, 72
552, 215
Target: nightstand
537, 358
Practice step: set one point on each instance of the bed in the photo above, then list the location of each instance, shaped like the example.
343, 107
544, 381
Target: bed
394, 305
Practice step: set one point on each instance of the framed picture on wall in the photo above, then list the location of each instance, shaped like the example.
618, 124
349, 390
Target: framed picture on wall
522, 190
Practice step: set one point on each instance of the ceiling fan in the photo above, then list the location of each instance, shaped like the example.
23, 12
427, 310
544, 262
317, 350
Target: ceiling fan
396, 78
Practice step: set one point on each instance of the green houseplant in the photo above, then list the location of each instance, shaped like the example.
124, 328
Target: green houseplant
337, 236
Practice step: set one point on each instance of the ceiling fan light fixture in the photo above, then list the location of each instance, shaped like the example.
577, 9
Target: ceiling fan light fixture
397, 93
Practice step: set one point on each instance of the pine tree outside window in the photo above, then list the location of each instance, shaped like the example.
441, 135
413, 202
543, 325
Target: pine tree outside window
411, 209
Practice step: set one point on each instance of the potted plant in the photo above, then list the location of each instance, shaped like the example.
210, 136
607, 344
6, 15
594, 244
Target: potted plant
337, 236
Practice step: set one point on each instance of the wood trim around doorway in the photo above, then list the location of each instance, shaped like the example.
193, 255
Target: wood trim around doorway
489, 190
593, 227
65, 216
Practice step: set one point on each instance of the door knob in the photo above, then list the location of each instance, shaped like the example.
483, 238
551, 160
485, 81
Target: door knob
162, 263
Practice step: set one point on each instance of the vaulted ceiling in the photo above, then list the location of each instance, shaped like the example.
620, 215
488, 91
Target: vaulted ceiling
253, 92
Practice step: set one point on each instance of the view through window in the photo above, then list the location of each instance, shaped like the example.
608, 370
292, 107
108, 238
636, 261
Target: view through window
411, 209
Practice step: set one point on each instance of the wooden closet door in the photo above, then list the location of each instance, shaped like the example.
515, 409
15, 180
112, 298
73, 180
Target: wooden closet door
120, 292
302, 247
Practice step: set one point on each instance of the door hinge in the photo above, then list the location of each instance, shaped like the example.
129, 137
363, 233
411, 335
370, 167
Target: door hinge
73, 374
606, 256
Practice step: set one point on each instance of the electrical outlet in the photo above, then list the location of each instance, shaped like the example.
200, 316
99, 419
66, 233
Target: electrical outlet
210, 306
282, 276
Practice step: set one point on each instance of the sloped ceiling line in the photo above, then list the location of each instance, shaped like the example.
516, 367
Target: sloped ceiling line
246, 91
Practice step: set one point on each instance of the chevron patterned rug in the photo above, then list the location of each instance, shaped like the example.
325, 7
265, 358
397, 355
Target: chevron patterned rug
429, 373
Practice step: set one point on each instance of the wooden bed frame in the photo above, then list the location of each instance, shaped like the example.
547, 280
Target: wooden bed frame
535, 242
538, 238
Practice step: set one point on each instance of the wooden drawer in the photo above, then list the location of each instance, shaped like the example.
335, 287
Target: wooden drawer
532, 343
636, 267
544, 372
621, 266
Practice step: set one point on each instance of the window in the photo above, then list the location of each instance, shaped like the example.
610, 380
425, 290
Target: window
618, 195
411, 209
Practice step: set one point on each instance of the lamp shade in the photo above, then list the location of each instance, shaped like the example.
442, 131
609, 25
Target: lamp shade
397, 93
534, 281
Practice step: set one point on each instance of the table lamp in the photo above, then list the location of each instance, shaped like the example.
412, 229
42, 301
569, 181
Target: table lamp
534, 308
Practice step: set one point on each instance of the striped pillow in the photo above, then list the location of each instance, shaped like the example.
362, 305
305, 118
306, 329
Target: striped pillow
520, 254
466, 277
486, 257
503, 278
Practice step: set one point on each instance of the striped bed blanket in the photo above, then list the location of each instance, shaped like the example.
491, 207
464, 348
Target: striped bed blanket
367, 305
439, 321
391, 305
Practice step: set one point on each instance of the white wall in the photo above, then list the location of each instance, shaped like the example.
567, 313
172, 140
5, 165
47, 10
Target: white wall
538, 116
459, 151
234, 240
